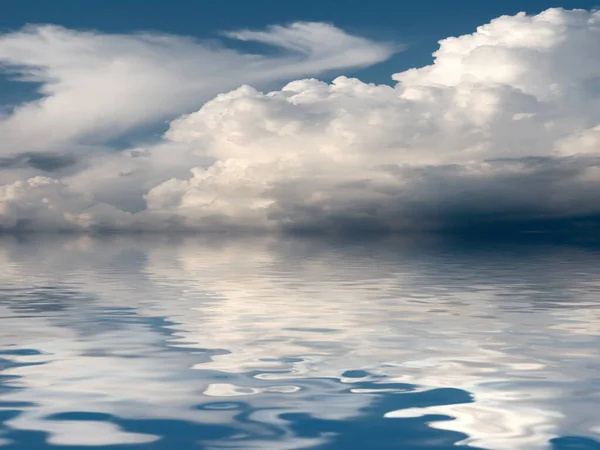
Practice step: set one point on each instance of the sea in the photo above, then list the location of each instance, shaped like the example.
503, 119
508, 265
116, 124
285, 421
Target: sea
151, 341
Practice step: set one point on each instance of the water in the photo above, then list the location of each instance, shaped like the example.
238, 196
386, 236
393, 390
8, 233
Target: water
265, 343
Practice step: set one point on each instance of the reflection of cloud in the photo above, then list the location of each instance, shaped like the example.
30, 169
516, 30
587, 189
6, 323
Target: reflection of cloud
412, 319
154, 329
91, 347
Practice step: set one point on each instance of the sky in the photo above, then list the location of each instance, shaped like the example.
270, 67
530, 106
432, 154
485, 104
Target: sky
299, 115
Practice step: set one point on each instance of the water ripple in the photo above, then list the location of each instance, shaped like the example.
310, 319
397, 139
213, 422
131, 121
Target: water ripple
297, 343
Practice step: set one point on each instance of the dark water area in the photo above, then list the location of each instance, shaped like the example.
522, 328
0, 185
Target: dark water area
155, 342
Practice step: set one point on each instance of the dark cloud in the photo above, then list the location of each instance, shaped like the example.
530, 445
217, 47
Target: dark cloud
46, 162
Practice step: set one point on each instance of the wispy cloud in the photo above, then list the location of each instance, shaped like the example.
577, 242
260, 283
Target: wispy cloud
95, 86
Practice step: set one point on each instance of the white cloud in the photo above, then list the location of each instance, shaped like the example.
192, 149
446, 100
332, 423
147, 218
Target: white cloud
45, 203
96, 86
501, 127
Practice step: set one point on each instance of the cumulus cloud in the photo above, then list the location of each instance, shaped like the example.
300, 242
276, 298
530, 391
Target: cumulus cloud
502, 129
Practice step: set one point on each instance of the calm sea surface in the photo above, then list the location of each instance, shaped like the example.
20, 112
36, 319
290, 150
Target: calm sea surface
265, 343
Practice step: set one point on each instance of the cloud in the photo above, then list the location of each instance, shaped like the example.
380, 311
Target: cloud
500, 131
96, 86
42, 203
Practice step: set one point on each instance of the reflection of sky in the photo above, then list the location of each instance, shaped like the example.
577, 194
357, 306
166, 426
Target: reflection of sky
190, 329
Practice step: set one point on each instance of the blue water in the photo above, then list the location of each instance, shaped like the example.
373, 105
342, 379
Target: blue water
297, 343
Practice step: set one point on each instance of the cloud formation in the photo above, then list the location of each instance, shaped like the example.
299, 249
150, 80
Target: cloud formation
502, 129
97, 86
